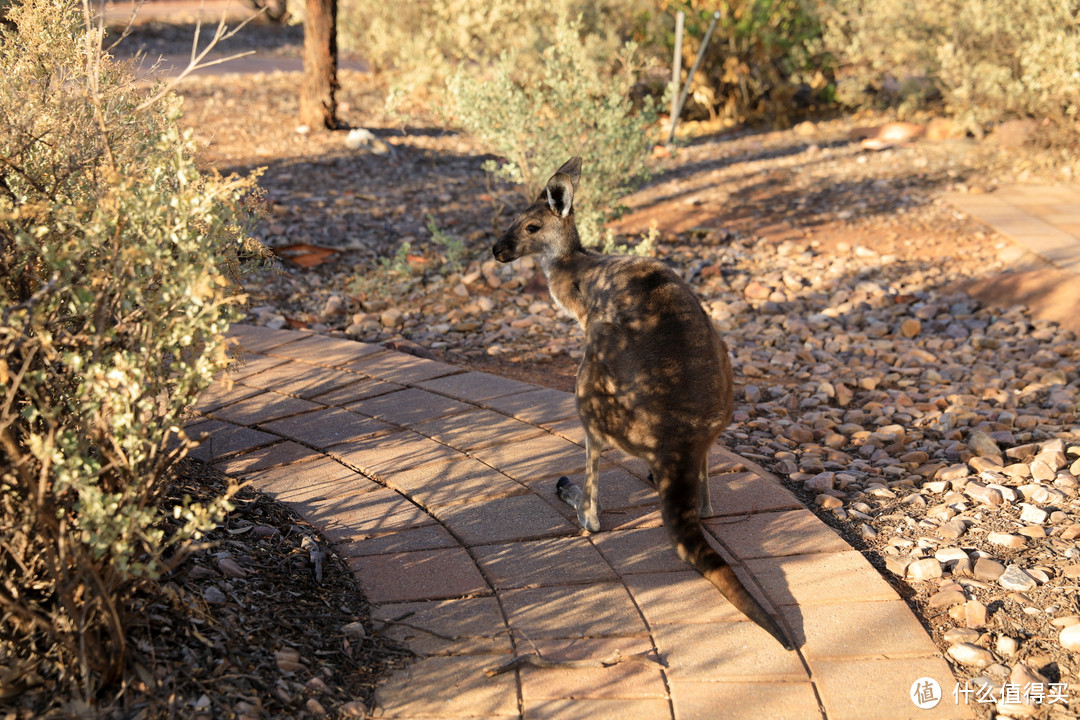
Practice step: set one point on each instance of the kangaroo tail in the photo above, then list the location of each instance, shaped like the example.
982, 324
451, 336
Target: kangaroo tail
680, 513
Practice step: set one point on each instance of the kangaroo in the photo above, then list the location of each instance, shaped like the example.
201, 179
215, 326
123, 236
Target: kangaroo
655, 378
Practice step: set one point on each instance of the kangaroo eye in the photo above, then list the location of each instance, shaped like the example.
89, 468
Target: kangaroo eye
531, 229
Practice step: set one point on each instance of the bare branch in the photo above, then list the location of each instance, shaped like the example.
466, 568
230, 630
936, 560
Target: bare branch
127, 28
196, 62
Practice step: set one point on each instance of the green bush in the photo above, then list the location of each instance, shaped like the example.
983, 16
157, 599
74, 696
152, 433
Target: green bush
572, 105
116, 259
423, 42
986, 61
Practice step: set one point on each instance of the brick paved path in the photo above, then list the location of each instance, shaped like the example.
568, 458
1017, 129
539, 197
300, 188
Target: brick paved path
438, 486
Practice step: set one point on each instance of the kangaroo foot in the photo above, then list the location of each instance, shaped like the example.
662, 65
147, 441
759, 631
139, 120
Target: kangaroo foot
571, 494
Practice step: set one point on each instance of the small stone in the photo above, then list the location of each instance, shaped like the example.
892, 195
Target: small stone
1007, 539
981, 493
1032, 514
897, 564
315, 707
975, 614
1014, 578
1070, 637
988, 570
354, 709
214, 595
910, 327
1032, 531
1071, 571
961, 635
982, 444
953, 529
1007, 645
946, 599
971, 655
391, 318
1071, 532
925, 569
1041, 471
828, 501
954, 472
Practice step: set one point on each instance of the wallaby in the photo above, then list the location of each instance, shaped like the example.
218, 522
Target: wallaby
655, 378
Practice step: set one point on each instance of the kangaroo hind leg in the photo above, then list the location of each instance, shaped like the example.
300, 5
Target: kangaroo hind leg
587, 502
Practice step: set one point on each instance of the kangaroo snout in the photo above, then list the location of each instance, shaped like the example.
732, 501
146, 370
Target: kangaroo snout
503, 250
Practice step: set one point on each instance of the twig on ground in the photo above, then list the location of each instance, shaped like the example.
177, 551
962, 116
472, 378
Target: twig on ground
535, 660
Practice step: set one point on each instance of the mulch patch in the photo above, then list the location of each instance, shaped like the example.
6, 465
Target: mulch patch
246, 627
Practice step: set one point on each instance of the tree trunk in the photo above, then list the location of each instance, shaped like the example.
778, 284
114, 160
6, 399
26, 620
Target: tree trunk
318, 107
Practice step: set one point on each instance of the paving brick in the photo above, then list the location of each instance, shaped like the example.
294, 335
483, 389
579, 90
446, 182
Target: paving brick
310, 480
409, 406
426, 537
260, 339
420, 575
477, 429
738, 493
219, 439
820, 579
476, 624
556, 561
680, 598
774, 534
542, 457
644, 550
263, 408
475, 387
744, 700
598, 709
452, 687
878, 689
594, 610
366, 512
463, 480
627, 679
325, 427
386, 454
722, 460
726, 651
300, 380
248, 364
282, 453
361, 389
326, 351
519, 517
221, 393
537, 406
841, 631
400, 368
646, 516
569, 429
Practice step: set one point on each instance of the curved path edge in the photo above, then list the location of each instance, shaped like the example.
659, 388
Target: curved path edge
437, 485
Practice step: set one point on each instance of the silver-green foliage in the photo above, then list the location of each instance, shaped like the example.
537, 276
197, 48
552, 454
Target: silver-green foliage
117, 267
572, 104
987, 60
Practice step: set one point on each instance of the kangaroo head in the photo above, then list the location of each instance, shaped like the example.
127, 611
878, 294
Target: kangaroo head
547, 226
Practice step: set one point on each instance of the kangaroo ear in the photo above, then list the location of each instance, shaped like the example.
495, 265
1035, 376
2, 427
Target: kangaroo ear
559, 192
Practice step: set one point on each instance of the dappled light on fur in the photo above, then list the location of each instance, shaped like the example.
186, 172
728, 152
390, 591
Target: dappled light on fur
655, 379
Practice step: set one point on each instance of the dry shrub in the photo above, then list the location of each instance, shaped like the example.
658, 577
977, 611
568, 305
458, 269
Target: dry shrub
115, 289
985, 61
766, 61
572, 104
